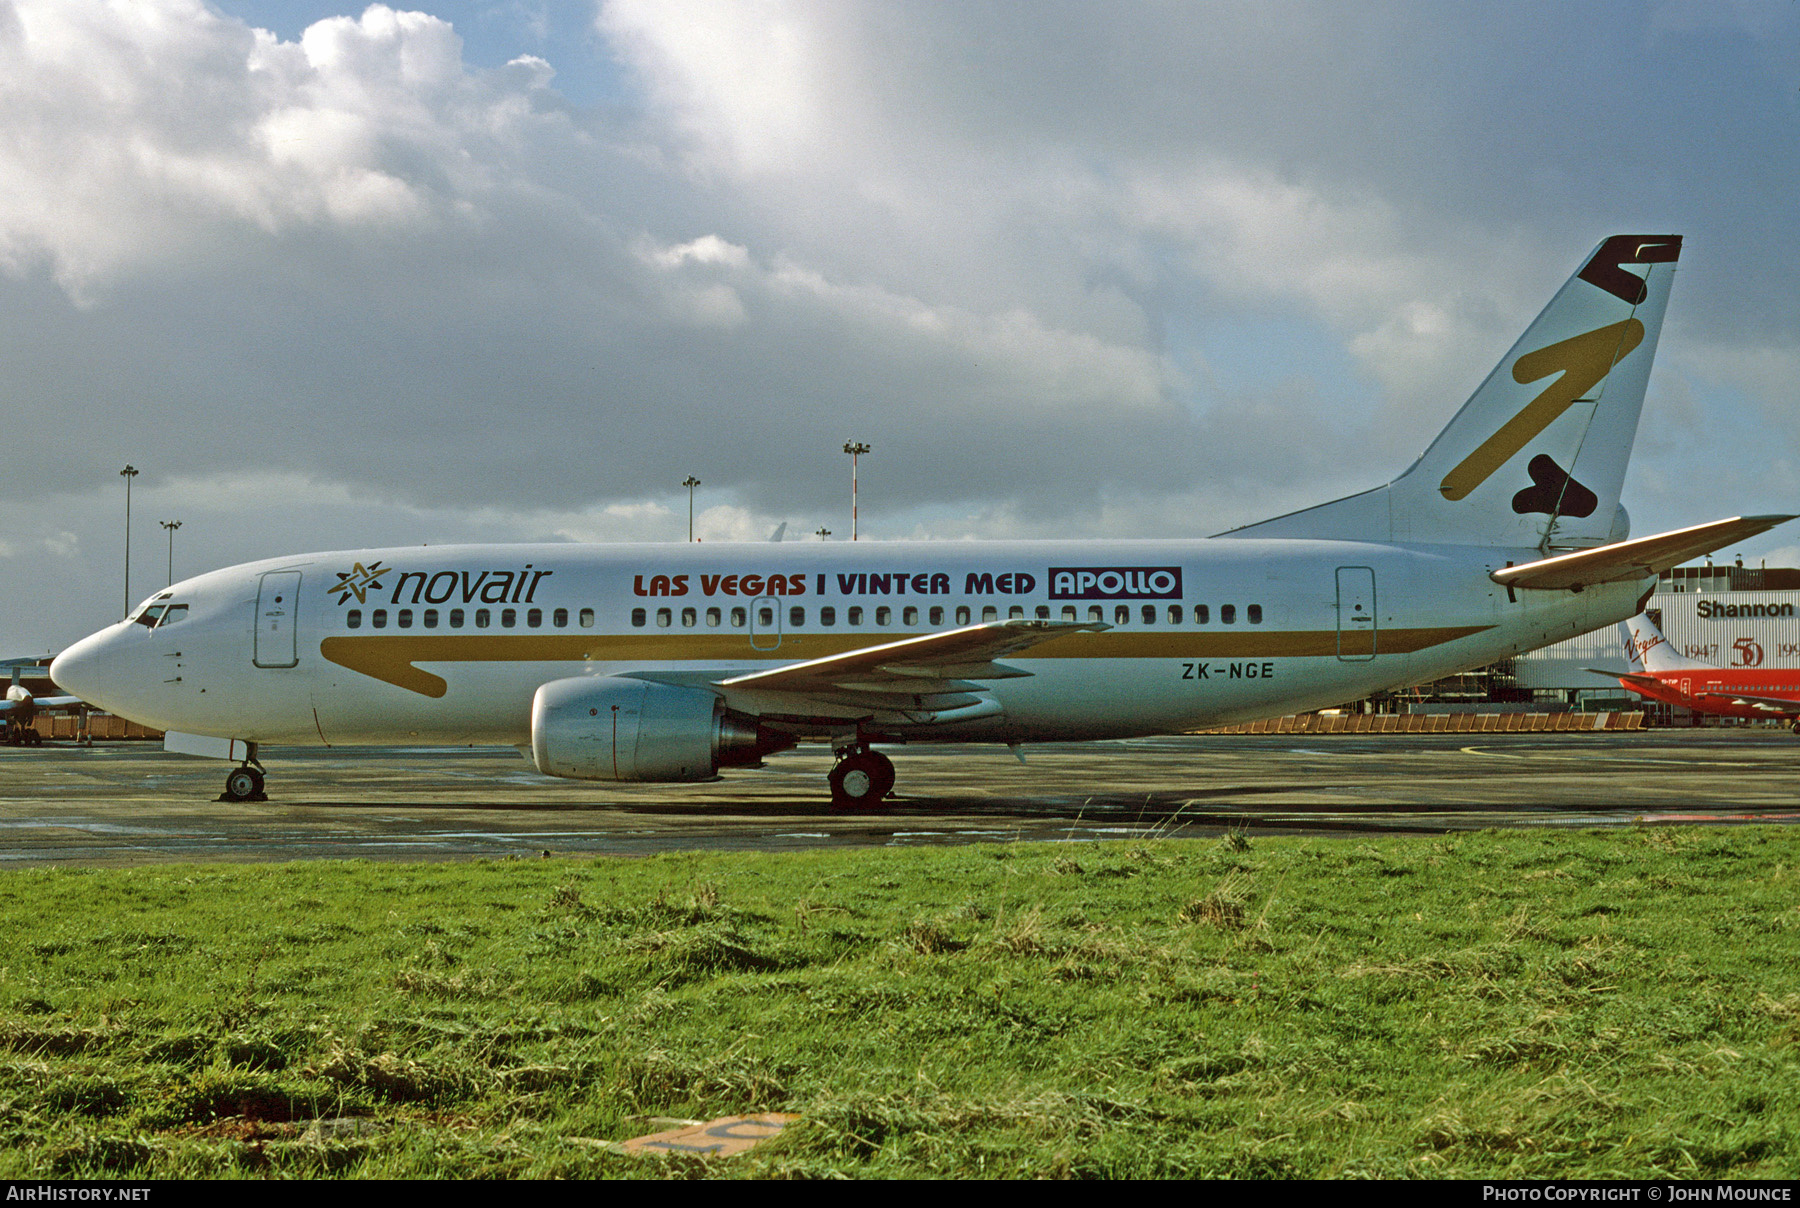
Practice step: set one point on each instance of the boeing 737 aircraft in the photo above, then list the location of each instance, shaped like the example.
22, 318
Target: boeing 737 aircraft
668, 663
1675, 679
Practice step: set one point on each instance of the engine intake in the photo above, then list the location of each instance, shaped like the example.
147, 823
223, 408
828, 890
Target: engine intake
614, 728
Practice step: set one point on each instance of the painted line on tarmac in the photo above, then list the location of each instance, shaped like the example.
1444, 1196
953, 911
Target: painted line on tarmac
1685, 763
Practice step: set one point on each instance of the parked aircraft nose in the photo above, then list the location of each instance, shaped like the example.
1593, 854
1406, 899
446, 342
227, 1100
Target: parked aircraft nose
91, 668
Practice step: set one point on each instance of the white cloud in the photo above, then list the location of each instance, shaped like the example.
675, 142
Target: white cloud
1111, 271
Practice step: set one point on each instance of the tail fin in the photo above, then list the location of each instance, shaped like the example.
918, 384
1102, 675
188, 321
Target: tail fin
1537, 455
1646, 649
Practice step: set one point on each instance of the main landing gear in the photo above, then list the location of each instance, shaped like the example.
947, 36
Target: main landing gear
861, 779
22, 736
244, 783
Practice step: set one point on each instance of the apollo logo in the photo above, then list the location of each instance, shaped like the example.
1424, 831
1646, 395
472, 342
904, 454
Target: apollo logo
1115, 582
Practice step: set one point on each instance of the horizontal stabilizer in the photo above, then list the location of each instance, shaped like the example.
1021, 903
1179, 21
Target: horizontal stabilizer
1636, 559
1636, 681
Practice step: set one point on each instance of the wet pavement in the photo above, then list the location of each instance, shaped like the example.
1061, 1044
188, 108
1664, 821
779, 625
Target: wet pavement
129, 802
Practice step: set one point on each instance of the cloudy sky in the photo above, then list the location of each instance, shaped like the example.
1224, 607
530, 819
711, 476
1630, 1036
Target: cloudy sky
334, 277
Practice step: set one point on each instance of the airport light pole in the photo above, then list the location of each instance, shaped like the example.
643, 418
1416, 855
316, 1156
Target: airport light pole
171, 525
855, 449
128, 473
690, 484
822, 532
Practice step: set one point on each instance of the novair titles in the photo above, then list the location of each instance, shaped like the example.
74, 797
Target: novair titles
469, 587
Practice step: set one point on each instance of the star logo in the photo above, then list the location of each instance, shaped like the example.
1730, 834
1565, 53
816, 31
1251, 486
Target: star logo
359, 582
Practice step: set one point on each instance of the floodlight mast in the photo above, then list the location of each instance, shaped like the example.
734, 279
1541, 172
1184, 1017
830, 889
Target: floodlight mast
171, 525
855, 449
128, 473
690, 483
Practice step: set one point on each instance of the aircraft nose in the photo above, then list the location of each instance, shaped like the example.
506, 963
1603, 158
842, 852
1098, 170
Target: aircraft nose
87, 669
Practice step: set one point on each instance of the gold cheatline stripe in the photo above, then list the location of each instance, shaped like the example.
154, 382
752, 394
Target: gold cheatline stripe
391, 659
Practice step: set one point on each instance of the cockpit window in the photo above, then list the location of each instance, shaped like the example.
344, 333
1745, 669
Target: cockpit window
150, 610
174, 614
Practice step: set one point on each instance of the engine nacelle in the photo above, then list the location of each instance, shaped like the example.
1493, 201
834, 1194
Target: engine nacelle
613, 728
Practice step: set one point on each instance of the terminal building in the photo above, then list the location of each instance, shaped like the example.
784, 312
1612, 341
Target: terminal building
1732, 615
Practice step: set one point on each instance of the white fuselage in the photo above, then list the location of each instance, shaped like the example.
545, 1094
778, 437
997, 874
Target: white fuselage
448, 644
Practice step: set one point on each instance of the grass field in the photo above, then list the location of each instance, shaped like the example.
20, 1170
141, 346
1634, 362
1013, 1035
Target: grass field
1504, 1004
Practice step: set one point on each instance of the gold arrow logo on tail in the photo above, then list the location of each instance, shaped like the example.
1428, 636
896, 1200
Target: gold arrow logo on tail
1582, 360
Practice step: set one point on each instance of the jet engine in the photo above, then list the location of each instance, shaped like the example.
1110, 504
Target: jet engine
614, 728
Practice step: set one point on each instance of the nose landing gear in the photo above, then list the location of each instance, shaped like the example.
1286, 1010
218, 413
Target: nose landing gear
861, 780
244, 783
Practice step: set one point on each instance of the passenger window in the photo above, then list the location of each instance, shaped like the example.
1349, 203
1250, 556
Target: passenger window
884, 616
910, 617
509, 617
1122, 614
560, 618
1228, 614
990, 613
638, 617
534, 618
937, 614
378, 618
1174, 614
1069, 613
1149, 614
714, 618
796, 616
587, 618
962, 614
353, 619
1096, 613
483, 618
1015, 613
1043, 612
854, 615
1255, 612
404, 619
431, 615
765, 615
456, 618
664, 618
828, 615
739, 618
689, 618
1202, 614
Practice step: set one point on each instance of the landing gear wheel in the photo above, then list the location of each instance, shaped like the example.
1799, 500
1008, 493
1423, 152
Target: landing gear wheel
244, 784
860, 781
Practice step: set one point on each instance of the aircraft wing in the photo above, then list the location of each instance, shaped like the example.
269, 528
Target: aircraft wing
42, 704
1634, 559
933, 678
1774, 704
